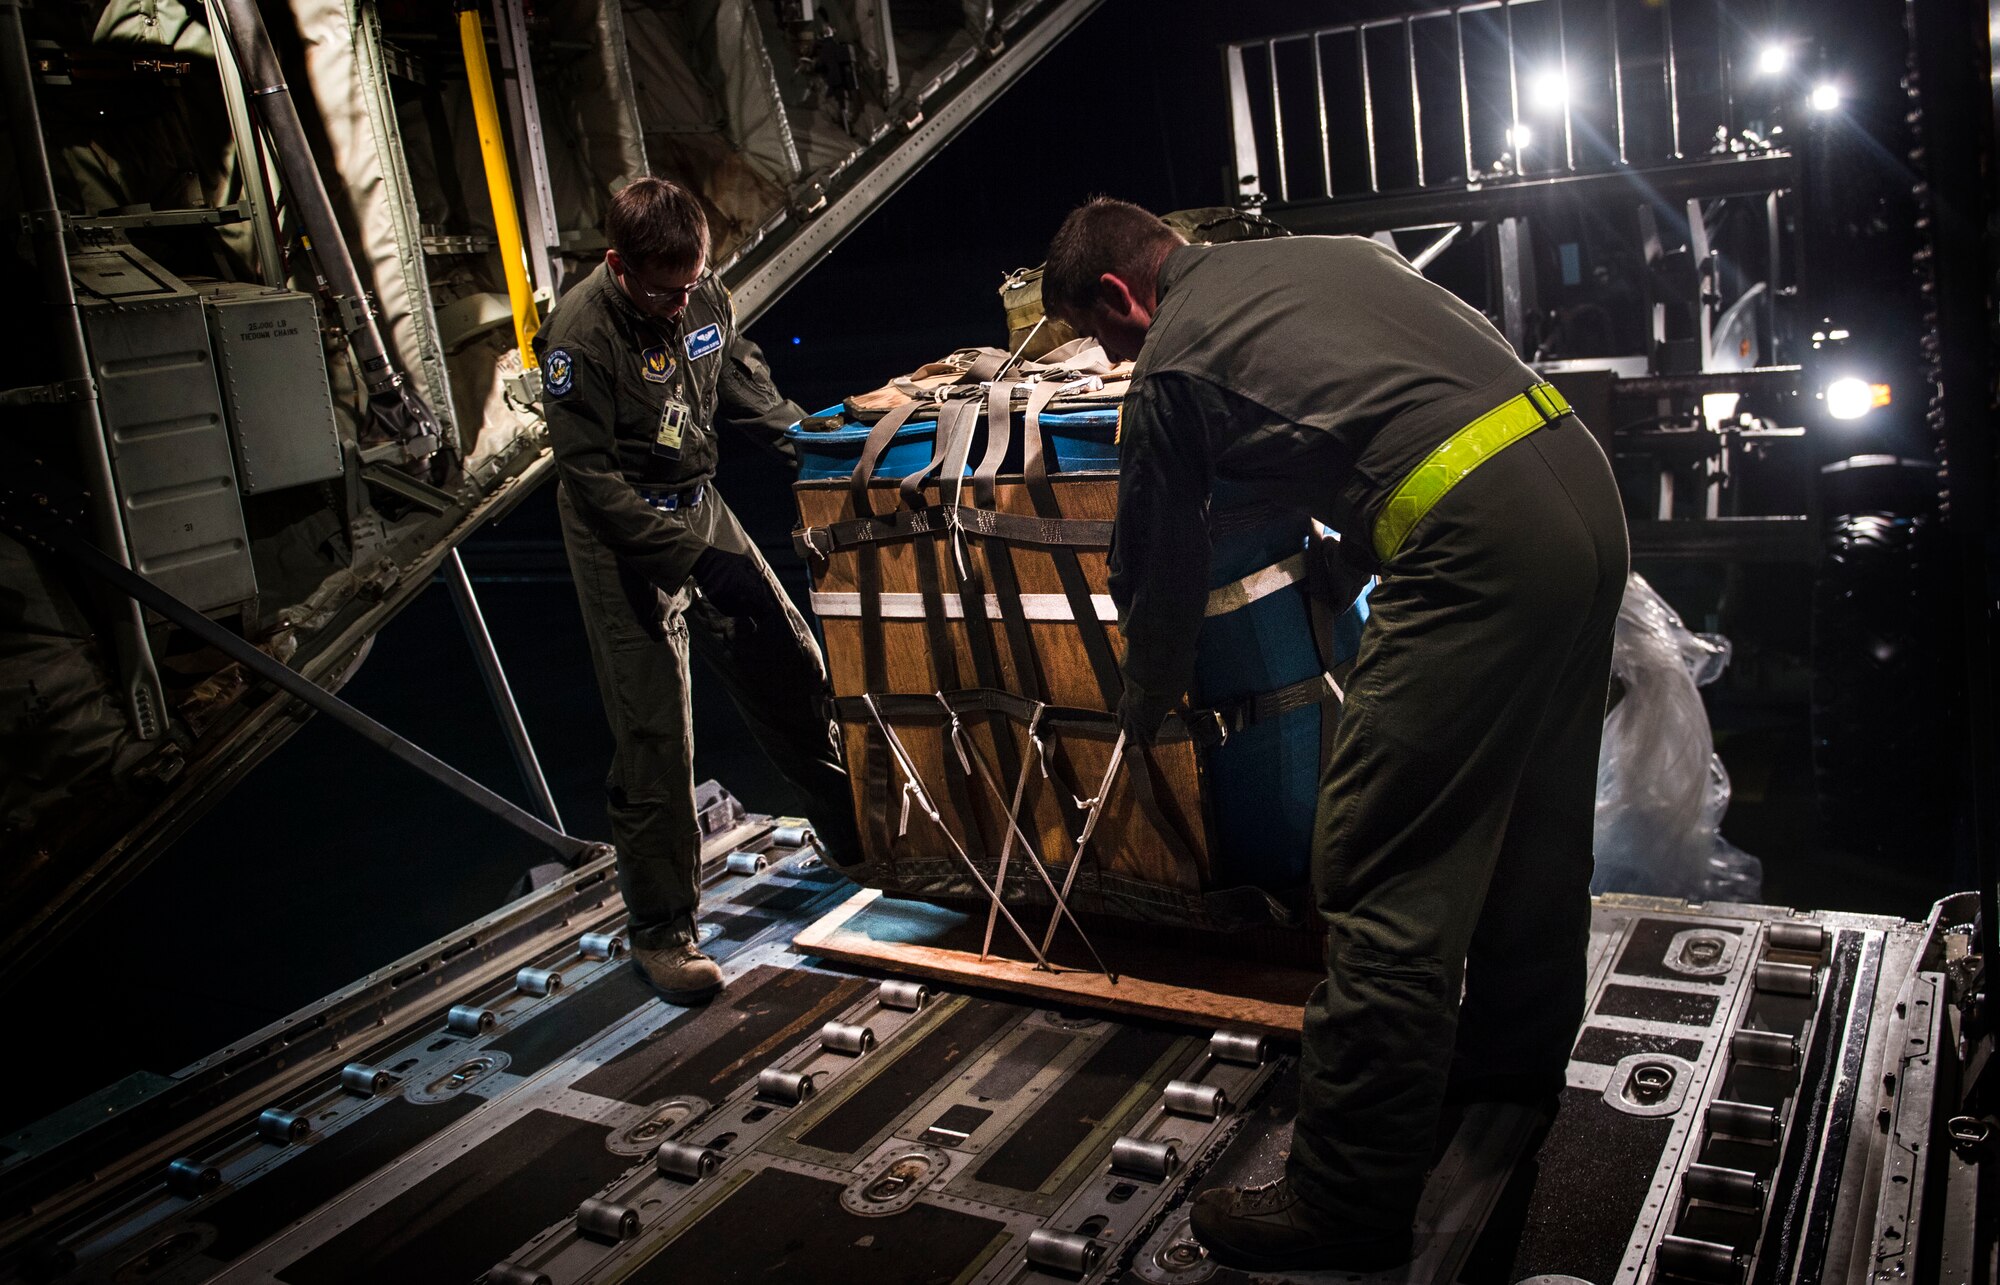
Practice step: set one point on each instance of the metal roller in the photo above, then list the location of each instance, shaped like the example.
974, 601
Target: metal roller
1786, 979
600, 945
1063, 1251
685, 1160
1715, 1185
470, 1019
1809, 939
846, 1037
1743, 1120
1199, 1101
791, 836
788, 1087
538, 981
1701, 1260
359, 1077
282, 1127
514, 1274
744, 863
1764, 1048
906, 997
1142, 1158
191, 1178
603, 1220
1238, 1047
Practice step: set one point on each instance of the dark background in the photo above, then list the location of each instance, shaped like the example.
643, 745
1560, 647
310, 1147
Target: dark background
330, 860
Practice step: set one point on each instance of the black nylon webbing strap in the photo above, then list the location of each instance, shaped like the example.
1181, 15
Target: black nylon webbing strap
943, 656
1000, 559
999, 435
971, 587
876, 783
909, 524
1035, 472
1096, 642
984, 521
1207, 728
879, 437
950, 416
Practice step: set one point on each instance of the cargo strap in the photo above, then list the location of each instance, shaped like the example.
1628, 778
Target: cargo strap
1256, 585
1093, 813
948, 450
912, 606
1458, 455
941, 656
818, 542
913, 789
972, 759
1234, 596
1096, 642
1207, 728
1049, 529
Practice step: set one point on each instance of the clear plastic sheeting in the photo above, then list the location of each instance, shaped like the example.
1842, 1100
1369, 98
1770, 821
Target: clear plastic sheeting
1661, 790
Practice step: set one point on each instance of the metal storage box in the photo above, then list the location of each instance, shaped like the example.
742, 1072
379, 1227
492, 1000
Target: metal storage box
272, 370
163, 426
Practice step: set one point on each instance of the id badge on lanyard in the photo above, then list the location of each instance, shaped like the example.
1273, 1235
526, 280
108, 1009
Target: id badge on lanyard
675, 417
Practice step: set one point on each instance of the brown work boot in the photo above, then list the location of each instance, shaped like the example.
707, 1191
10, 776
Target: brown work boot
679, 972
1271, 1228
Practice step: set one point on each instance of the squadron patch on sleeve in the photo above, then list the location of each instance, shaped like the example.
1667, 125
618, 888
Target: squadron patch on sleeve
656, 364
558, 373
704, 341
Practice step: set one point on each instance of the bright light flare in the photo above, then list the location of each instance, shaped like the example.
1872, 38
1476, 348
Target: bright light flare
1549, 91
1825, 97
1774, 60
1519, 137
1851, 398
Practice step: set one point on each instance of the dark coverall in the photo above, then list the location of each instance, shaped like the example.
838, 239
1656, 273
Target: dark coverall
1453, 838
607, 370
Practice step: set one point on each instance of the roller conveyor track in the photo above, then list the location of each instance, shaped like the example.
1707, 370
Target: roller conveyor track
814, 1125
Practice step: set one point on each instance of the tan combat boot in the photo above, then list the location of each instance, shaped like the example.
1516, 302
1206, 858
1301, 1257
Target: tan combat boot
680, 973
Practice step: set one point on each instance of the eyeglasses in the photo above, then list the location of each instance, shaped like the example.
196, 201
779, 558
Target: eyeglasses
677, 294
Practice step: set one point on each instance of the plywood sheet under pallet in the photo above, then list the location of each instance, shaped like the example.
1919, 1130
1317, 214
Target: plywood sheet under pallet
913, 937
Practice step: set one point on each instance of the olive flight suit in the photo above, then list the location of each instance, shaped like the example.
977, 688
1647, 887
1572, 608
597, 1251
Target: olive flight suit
660, 562
1452, 845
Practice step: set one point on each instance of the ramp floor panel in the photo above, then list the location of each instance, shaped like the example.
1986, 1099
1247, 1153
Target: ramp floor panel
725, 1043
818, 1240
1587, 1186
932, 1150
246, 1217
547, 1036
1037, 1149
935, 1057
528, 1175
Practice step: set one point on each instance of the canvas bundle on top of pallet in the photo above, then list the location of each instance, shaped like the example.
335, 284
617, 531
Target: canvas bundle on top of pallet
958, 548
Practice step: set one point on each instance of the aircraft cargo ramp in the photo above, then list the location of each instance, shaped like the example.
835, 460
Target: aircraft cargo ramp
1749, 1100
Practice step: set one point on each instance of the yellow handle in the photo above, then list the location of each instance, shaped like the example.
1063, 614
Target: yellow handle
499, 184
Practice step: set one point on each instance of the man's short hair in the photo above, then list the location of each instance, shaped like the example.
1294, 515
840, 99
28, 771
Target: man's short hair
655, 223
1102, 236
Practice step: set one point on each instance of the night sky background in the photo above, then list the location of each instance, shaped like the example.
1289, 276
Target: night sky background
331, 860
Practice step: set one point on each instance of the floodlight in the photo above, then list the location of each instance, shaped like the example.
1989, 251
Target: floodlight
1852, 398
1549, 90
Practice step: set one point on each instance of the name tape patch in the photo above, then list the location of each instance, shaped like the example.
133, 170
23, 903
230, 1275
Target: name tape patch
704, 341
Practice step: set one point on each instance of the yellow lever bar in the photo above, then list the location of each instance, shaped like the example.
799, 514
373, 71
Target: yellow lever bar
499, 184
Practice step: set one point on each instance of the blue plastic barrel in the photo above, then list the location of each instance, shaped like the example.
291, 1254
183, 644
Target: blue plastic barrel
1263, 785
835, 452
